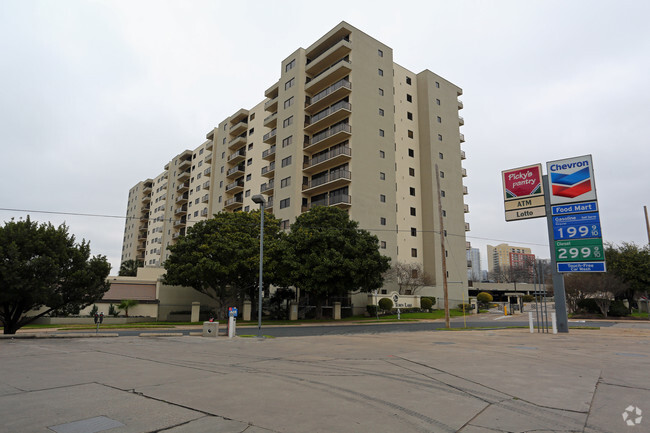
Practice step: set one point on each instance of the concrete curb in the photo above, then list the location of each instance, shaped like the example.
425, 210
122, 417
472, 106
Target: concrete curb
67, 335
161, 334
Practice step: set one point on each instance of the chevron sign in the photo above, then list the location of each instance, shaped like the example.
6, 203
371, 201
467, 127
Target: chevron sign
572, 180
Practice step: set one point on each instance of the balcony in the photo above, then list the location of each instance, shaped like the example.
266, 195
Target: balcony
271, 105
460, 104
143, 227
238, 128
269, 154
184, 175
329, 76
183, 187
240, 116
468, 245
141, 247
208, 157
146, 189
329, 137
145, 208
272, 91
181, 210
204, 212
462, 155
206, 185
268, 170
462, 138
184, 164
269, 204
237, 141
207, 171
233, 202
329, 116
465, 190
332, 180
176, 235
235, 186
180, 223
142, 237
181, 198
267, 188
461, 121
342, 201
327, 160
463, 172
328, 96
238, 156
269, 137
466, 208
271, 121
323, 60
235, 171
146, 198
466, 227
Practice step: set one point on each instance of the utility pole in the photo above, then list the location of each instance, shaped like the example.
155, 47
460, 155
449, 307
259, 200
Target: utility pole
647, 222
442, 250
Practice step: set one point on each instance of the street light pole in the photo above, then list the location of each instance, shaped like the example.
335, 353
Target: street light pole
259, 199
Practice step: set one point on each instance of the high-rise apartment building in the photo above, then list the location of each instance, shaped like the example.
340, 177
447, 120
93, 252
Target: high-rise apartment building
343, 126
505, 256
474, 265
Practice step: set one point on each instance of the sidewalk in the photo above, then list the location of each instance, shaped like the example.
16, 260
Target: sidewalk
468, 381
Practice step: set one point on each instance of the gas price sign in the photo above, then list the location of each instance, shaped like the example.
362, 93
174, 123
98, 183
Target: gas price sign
579, 250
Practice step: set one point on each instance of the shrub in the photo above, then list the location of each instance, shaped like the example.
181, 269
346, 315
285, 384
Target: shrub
426, 303
372, 310
431, 298
112, 311
618, 309
528, 298
386, 304
467, 307
484, 298
93, 310
588, 306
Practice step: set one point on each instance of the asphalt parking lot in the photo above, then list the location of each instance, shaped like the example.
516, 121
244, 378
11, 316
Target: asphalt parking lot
429, 381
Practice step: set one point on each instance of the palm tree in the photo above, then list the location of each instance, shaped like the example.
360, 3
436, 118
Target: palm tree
129, 268
126, 304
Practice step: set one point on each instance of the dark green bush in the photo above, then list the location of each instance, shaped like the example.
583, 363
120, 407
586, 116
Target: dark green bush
484, 298
468, 307
431, 298
372, 310
618, 309
426, 303
528, 298
588, 306
386, 304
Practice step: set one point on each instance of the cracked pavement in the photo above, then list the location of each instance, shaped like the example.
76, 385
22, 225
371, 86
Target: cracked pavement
468, 381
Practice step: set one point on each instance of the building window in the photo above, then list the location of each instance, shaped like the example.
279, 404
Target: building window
250, 146
289, 83
250, 161
285, 203
409, 115
251, 131
381, 112
442, 174
408, 80
288, 121
411, 171
382, 245
414, 252
285, 182
381, 93
247, 208
219, 200
444, 213
411, 153
247, 193
284, 225
223, 155
382, 221
290, 65
412, 191
251, 117
382, 154
380, 72
380, 53
442, 194
248, 177
288, 103
287, 141
437, 85
437, 101
410, 133
414, 231
440, 155
409, 98
381, 132
286, 161
412, 211
439, 119
382, 176
439, 137
382, 198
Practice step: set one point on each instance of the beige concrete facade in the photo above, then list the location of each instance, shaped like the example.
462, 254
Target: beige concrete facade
499, 256
343, 126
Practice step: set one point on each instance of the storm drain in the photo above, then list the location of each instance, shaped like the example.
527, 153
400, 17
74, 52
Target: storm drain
90, 425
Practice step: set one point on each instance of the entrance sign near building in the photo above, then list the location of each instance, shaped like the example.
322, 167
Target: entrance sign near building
572, 180
523, 193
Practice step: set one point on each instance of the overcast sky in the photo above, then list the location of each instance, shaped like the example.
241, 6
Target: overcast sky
97, 95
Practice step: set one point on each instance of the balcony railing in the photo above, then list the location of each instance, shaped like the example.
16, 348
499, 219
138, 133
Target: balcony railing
206, 185
465, 190
207, 171
234, 201
331, 89
204, 212
466, 208
268, 169
343, 200
342, 152
240, 154
231, 171
183, 186
462, 155
208, 157
343, 127
184, 175
239, 183
461, 121
335, 113
270, 135
462, 138
467, 227
180, 210
181, 198
268, 152
267, 187
329, 177
205, 198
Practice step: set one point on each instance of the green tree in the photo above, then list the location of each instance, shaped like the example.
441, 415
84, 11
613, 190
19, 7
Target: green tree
126, 304
129, 268
484, 299
630, 263
220, 257
385, 304
43, 268
327, 255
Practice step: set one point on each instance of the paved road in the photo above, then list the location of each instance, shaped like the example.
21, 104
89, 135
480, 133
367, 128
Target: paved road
351, 329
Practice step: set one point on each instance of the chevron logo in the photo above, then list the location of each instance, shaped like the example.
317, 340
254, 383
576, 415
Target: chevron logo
571, 185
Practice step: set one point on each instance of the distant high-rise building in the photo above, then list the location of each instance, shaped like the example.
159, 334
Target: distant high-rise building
343, 126
505, 256
474, 264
